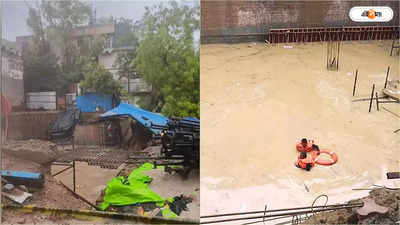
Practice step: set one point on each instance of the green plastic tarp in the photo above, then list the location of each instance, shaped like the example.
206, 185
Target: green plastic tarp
121, 191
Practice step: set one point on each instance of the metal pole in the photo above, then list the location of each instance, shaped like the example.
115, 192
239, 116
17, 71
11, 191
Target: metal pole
355, 82
73, 174
1, 91
338, 53
73, 162
387, 76
377, 101
372, 97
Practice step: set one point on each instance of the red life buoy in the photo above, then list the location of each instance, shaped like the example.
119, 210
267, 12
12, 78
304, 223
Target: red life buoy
308, 148
327, 162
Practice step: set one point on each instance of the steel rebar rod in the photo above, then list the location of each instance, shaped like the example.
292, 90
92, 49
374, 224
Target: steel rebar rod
367, 99
387, 110
389, 102
377, 101
355, 83
284, 214
272, 210
387, 76
61, 171
372, 97
260, 221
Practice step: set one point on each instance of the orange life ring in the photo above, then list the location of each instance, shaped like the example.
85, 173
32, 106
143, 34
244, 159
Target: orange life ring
327, 162
300, 147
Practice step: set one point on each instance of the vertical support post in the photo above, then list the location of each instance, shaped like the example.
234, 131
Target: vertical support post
377, 101
338, 54
372, 97
73, 162
1, 90
387, 76
355, 83
73, 175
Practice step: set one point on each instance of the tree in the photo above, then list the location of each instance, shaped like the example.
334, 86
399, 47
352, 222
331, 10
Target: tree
98, 79
168, 60
41, 71
52, 23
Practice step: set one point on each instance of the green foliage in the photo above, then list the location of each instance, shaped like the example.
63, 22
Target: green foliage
168, 61
98, 79
41, 71
53, 21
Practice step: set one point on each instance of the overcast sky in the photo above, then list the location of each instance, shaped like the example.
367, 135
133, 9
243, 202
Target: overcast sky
15, 13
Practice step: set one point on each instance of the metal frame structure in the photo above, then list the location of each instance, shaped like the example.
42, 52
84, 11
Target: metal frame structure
394, 46
70, 164
320, 34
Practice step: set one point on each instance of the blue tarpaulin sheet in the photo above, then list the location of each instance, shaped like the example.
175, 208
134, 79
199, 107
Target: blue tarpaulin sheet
21, 174
144, 117
89, 102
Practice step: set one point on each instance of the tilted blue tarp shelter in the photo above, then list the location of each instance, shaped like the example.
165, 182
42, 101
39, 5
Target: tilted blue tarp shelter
148, 119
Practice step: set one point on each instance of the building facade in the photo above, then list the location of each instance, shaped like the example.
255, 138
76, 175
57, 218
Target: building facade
12, 75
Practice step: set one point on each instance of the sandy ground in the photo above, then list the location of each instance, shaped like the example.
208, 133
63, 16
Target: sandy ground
90, 180
258, 101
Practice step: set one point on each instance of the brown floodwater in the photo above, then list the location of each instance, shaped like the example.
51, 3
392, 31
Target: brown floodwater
257, 101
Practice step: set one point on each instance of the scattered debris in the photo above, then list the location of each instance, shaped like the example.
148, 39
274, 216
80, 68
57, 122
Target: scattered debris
371, 207
179, 204
17, 196
382, 197
393, 175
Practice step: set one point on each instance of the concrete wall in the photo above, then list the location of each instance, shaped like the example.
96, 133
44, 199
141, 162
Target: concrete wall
221, 19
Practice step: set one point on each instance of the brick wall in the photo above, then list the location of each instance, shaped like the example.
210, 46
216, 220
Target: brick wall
30, 125
222, 20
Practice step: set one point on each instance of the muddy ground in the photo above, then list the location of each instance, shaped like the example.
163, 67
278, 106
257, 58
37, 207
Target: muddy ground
36, 156
257, 101
53, 194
